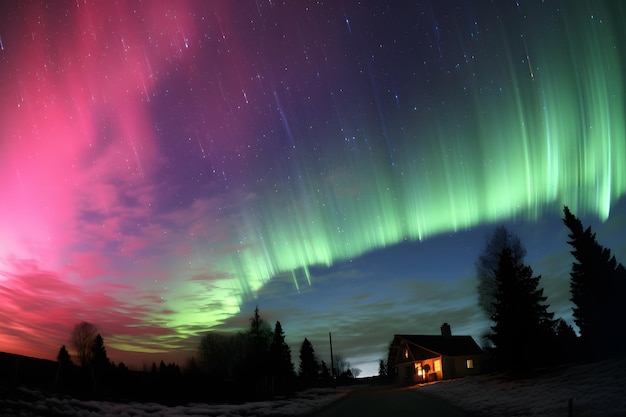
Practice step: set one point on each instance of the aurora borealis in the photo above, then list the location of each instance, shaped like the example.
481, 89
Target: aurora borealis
167, 165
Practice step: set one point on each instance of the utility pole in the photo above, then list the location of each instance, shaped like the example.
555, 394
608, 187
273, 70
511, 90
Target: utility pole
332, 360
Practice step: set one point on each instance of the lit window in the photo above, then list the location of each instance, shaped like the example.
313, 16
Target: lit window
406, 353
438, 365
470, 364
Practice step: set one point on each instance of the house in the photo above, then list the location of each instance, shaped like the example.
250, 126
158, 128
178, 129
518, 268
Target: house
421, 358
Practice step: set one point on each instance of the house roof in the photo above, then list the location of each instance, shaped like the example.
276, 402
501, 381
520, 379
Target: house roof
444, 345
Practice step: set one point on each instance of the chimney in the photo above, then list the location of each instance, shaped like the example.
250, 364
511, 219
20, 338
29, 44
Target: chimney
445, 330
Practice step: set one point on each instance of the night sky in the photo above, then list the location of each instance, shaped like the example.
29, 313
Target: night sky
167, 166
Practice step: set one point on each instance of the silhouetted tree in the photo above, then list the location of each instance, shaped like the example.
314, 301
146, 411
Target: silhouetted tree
255, 366
99, 358
63, 356
259, 336
309, 367
597, 287
191, 367
168, 371
281, 366
487, 265
64, 363
391, 370
83, 336
122, 368
521, 319
243, 357
100, 365
217, 354
342, 367
382, 368
259, 332
153, 369
564, 347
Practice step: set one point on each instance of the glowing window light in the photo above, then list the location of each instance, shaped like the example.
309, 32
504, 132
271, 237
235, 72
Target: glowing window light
418, 367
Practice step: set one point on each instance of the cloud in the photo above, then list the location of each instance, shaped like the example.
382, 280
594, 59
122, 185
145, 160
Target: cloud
42, 307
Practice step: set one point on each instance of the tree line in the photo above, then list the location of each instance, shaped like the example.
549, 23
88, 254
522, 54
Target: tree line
255, 363
96, 376
524, 333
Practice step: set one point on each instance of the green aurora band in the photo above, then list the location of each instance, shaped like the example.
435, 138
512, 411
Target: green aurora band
549, 131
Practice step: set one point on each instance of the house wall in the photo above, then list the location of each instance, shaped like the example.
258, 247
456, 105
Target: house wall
480, 365
406, 373
449, 367
456, 366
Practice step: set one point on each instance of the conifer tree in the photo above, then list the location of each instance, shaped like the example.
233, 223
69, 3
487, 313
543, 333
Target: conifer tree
100, 361
382, 368
250, 356
281, 366
260, 333
521, 319
64, 363
597, 287
565, 345
488, 263
309, 366
63, 357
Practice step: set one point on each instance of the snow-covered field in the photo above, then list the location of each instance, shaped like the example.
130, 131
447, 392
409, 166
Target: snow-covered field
596, 390
34, 403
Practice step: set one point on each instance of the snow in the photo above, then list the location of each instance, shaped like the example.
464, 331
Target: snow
597, 389
37, 404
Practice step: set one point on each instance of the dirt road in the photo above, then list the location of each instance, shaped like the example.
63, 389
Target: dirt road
375, 402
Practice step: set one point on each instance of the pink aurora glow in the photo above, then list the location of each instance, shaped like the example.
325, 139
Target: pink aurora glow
79, 151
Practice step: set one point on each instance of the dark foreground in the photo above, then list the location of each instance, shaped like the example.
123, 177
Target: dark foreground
391, 402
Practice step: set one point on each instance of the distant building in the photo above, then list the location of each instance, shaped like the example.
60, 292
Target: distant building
422, 358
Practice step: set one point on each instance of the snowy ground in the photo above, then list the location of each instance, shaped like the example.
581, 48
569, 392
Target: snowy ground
33, 403
595, 389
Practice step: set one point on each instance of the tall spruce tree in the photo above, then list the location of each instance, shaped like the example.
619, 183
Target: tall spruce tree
597, 287
100, 360
260, 333
63, 357
253, 370
64, 365
521, 319
281, 366
382, 368
487, 265
309, 366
